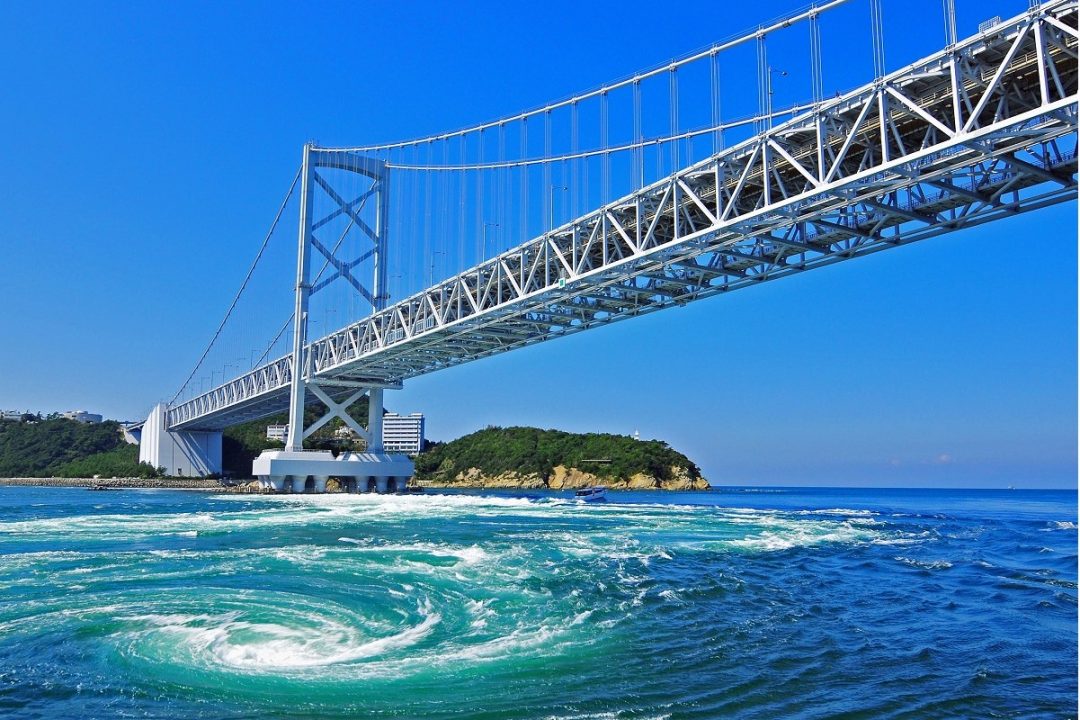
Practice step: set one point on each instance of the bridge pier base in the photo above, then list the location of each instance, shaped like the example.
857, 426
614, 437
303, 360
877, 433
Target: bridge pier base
278, 469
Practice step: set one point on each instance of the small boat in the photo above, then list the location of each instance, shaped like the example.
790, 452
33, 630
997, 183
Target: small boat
597, 493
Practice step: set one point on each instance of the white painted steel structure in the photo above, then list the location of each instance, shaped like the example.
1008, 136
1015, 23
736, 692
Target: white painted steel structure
979, 131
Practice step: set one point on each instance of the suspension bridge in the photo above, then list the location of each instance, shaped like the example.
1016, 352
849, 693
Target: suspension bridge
624, 200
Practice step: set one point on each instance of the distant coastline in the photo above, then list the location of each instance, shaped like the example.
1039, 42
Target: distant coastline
59, 452
564, 480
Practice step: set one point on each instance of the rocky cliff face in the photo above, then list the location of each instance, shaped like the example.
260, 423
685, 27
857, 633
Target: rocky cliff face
564, 478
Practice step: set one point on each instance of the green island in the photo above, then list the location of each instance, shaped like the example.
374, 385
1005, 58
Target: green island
532, 458
495, 457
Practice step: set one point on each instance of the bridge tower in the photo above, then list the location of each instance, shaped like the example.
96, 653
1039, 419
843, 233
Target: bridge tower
291, 468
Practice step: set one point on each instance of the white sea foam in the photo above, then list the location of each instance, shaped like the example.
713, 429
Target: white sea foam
304, 639
790, 535
470, 555
534, 641
837, 511
581, 617
925, 564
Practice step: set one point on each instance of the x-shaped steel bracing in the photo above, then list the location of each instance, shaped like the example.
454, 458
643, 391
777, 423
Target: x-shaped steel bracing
337, 410
344, 268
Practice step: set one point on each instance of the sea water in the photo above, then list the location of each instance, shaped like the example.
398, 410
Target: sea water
741, 603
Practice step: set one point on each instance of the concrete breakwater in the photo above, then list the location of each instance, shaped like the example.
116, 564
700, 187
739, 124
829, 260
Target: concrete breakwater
334, 485
207, 484
146, 483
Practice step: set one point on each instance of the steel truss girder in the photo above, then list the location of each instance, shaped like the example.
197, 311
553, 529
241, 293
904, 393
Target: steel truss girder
979, 131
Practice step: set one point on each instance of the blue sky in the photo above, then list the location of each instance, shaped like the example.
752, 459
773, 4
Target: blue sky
146, 147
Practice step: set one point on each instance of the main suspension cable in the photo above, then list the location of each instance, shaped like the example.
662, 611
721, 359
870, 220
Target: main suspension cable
648, 142
243, 286
733, 41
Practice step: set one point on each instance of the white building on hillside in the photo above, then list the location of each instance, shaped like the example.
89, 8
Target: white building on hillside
403, 433
277, 432
82, 416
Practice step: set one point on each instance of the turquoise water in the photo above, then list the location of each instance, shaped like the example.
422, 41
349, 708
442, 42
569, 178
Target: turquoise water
746, 604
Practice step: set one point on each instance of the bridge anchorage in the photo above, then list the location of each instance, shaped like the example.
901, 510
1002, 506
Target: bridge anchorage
982, 130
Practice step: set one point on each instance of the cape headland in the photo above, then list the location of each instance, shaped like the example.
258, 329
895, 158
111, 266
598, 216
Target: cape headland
531, 458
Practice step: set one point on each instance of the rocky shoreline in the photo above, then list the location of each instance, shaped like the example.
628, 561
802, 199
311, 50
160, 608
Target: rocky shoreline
564, 478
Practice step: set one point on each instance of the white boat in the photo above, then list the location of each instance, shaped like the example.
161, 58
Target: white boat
597, 493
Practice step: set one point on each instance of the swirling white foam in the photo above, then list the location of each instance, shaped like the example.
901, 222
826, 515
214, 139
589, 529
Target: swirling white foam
439, 603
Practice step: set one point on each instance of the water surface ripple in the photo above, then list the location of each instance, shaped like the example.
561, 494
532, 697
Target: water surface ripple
792, 603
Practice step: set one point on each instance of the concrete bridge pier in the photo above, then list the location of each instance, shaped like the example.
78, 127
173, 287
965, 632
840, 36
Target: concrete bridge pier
182, 453
283, 468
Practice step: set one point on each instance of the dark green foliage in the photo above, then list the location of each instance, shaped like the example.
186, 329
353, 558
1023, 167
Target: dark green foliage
66, 448
531, 450
122, 461
241, 444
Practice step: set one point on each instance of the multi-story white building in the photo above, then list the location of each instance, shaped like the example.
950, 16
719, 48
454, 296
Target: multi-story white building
82, 416
403, 433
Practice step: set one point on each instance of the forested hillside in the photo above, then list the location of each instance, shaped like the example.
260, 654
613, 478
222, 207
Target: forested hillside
65, 448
